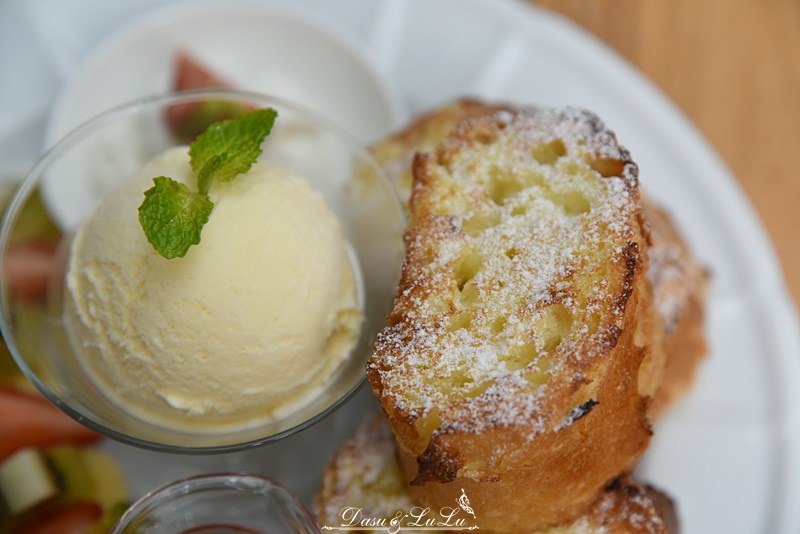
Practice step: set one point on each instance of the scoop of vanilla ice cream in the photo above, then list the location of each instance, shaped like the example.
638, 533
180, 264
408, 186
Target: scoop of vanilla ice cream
251, 323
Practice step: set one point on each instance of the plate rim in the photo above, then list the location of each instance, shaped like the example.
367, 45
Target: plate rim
167, 13
755, 248
768, 291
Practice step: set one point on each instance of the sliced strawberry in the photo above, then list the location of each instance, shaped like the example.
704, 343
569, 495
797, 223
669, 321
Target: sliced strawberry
74, 518
28, 269
27, 420
191, 74
187, 121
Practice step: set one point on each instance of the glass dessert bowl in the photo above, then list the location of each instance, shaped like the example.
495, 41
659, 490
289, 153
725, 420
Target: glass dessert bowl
217, 503
259, 330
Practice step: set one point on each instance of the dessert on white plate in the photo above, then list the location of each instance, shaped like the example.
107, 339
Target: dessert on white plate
511, 52
230, 304
272, 50
251, 323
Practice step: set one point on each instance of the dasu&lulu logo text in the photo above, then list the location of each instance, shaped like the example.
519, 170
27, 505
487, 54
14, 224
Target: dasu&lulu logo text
461, 517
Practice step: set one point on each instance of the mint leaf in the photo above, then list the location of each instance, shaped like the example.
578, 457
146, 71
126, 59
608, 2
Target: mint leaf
187, 121
172, 216
230, 147
206, 174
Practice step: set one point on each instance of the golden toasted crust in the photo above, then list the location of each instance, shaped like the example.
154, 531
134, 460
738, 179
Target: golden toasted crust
364, 474
510, 366
679, 292
627, 507
679, 281
396, 152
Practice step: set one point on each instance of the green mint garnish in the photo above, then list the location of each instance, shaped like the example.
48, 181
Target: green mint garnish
229, 148
172, 216
190, 120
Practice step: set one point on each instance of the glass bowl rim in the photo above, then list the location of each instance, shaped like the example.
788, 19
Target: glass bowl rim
202, 482
24, 189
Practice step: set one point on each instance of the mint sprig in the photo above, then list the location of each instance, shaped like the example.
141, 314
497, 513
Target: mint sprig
172, 216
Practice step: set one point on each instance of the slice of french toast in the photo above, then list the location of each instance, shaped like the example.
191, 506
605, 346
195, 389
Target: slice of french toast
679, 292
396, 152
523, 324
363, 483
678, 279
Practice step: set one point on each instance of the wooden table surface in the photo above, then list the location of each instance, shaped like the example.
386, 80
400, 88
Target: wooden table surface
733, 66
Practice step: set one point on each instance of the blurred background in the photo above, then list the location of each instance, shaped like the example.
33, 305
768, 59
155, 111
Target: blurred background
733, 66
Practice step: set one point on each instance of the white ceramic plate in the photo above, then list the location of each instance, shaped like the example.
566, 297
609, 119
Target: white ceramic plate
729, 453
266, 49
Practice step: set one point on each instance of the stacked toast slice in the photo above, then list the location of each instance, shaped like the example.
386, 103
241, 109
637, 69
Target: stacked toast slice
546, 314
678, 280
364, 475
679, 292
510, 366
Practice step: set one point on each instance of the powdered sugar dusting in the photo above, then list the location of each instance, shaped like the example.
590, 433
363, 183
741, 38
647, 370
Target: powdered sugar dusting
674, 273
364, 474
515, 225
626, 503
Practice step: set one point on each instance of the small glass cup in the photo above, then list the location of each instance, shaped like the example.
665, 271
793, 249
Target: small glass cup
217, 504
73, 177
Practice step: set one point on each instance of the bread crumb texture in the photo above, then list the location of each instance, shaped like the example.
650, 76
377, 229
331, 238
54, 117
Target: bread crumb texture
523, 228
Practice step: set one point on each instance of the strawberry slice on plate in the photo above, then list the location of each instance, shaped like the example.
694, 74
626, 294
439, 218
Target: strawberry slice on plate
190, 73
28, 269
187, 121
27, 420
73, 518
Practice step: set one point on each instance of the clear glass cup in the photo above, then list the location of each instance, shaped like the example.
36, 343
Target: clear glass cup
75, 174
217, 504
